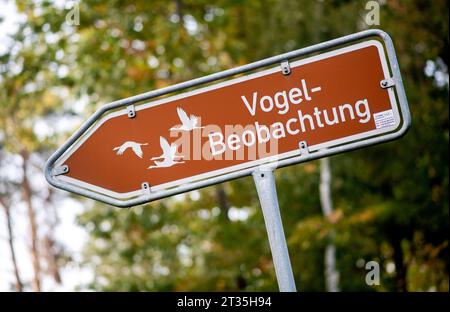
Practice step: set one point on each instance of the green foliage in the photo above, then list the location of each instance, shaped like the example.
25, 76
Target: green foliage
391, 201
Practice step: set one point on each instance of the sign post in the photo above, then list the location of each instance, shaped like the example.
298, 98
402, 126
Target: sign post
267, 193
330, 98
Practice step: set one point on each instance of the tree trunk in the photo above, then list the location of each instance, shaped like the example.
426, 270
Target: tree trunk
52, 260
222, 198
27, 196
51, 253
19, 285
331, 274
179, 10
400, 268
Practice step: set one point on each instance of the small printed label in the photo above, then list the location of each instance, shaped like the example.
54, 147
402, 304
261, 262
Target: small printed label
384, 119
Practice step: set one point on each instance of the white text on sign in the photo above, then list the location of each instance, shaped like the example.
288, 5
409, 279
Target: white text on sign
283, 101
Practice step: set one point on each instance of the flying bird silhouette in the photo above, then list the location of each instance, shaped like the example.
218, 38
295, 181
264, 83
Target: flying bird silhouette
168, 156
136, 147
188, 123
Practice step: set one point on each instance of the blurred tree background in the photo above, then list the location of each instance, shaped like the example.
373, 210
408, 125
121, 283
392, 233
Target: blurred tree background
390, 202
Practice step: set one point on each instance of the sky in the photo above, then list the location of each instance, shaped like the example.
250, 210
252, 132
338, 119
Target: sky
71, 236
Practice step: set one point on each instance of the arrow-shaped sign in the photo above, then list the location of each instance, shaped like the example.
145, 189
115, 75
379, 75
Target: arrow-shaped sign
132, 152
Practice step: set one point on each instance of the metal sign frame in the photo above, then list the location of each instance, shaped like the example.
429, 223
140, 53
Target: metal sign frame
395, 81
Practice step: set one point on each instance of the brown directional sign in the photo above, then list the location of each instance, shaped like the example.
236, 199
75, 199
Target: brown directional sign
326, 100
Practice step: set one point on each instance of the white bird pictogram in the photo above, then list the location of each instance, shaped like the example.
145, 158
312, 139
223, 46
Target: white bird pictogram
168, 156
187, 123
136, 147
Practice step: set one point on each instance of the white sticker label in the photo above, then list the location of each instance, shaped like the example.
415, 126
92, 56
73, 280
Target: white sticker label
384, 119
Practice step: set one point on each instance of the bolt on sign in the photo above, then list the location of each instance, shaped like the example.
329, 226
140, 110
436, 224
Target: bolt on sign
326, 99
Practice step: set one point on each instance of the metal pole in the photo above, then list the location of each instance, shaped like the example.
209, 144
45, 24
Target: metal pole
267, 193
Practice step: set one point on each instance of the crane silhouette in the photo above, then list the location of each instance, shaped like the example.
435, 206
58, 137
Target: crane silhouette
168, 156
188, 123
136, 148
